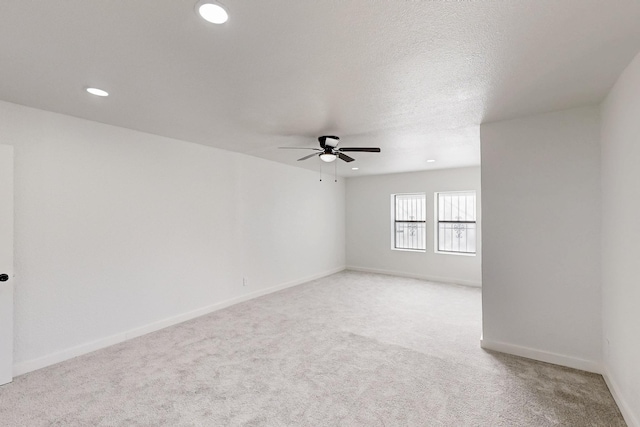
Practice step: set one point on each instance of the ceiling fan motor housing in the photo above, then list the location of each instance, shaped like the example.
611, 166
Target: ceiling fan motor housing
328, 141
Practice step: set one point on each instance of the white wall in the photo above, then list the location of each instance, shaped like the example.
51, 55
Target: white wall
621, 240
369, 226
541, 237
117, 230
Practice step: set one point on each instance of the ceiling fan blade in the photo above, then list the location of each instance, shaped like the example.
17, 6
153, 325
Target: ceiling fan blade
300, 148
365, 149
345, 157
307, 157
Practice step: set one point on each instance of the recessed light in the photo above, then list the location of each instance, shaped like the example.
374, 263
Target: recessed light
354, 169
212, 12
430, 161
97, 92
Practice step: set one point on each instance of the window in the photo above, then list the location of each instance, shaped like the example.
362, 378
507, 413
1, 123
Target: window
456, 222
409, 221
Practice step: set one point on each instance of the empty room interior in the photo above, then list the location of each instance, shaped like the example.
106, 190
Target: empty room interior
329, 213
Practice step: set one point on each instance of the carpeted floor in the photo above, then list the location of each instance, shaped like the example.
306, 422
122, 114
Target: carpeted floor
352, 349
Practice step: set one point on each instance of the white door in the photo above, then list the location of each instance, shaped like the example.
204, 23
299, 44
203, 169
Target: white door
6, 264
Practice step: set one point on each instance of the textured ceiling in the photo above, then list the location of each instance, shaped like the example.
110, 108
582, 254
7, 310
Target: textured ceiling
413, 77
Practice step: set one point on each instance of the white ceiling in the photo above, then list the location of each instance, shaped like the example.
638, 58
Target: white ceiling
415, 78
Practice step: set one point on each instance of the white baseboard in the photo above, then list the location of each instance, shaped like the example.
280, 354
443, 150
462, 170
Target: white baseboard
543, 356
69, 353
417, 276
632, 420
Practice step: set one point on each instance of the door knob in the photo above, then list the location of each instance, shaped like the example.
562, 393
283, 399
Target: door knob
4, 277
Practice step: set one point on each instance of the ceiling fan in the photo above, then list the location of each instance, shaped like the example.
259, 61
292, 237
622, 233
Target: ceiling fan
328, 151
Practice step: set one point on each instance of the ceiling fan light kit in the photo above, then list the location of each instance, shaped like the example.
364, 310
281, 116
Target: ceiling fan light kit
327, 157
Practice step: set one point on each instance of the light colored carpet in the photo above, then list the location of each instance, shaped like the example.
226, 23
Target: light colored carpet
352, 349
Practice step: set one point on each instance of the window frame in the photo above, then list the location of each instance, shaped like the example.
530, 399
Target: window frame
393, 221
436, 223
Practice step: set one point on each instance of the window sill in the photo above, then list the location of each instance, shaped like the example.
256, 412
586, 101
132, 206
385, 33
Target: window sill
454, 253
409, 250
